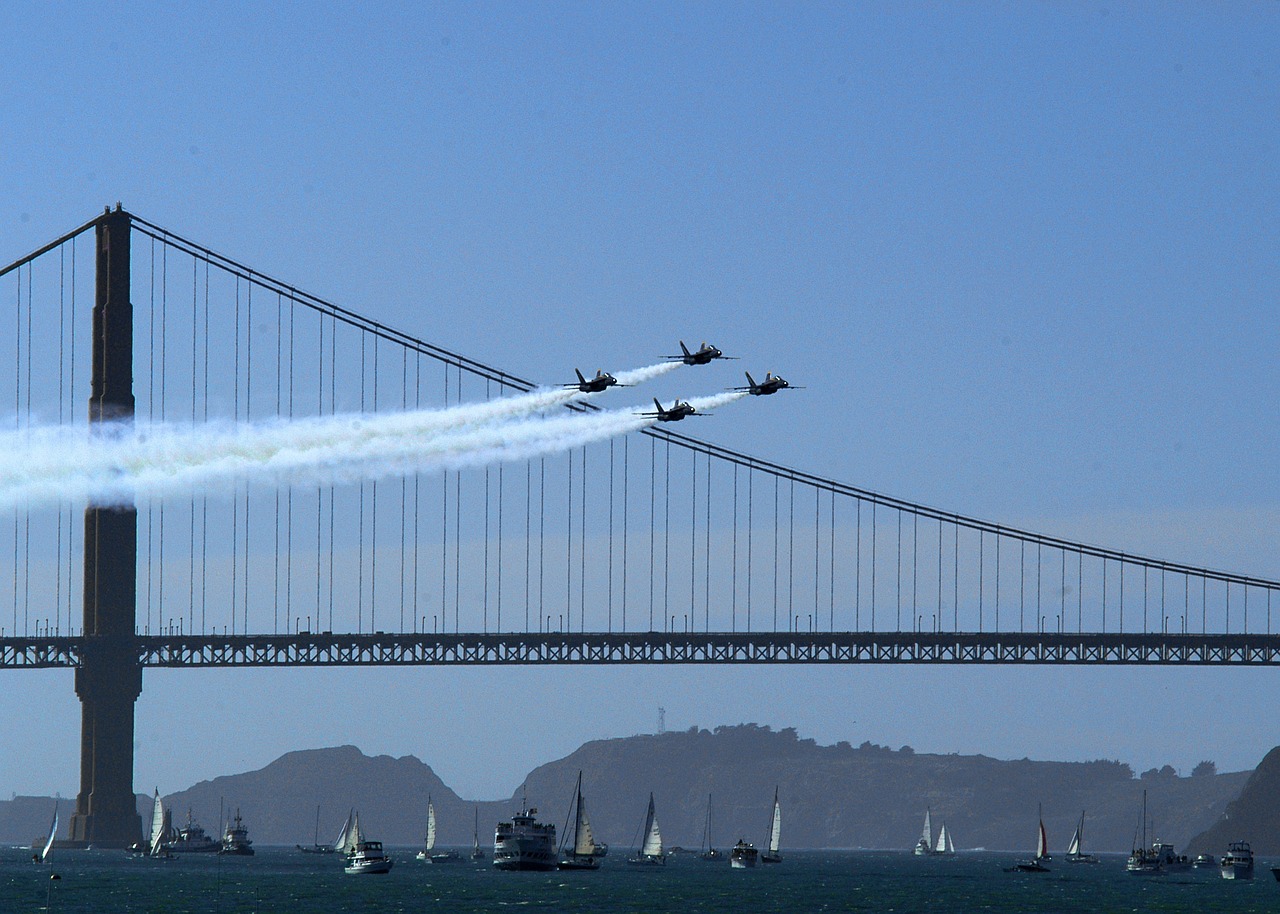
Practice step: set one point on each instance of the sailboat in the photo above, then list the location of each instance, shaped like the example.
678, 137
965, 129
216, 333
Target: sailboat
477, 852
43, 856
581, 855
1037, 863
771, 854
924, 847
1074, 854
316, 847
340, 843
651, 851
709, 852
944, 847
363, 856
156, 845
430, 844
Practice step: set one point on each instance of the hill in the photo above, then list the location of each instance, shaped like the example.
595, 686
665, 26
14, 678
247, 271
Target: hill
1254, 816
832, 796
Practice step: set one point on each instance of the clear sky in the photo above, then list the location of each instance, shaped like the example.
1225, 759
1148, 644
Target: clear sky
1024, 257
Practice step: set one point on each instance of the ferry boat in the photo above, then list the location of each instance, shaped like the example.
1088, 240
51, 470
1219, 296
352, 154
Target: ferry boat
236, 841
524, 843
193, 840
364, 857
743, 856
1237, 862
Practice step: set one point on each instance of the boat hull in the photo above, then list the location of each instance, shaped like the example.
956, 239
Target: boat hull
1237, 871
525, 853
647, 860
579, 862
368, 867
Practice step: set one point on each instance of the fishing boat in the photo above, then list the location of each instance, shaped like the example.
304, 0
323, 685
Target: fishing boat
651, 850
318, 848
743, 855
427, 853
236, 841
1237, 862
524, 843
581, 854
1074, 853
771, 854
364, 857
192, 839
477, 852
708, 852
1037, 863
924, 845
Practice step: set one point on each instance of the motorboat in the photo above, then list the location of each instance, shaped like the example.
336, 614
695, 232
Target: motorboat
743, 856
1237, 862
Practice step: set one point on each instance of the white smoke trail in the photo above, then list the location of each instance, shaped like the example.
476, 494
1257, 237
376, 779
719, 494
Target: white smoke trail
49, 465
648, 373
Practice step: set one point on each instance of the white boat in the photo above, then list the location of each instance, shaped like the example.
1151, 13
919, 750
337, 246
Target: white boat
1074, 852
192, 839
771, 854
924, 846
944, 847
581, 855
1037, 863
236, 841
651, 853
364, 857
743, 856
1237, 862
524, 843
48, 844
708, 852
1159, 858
429, 845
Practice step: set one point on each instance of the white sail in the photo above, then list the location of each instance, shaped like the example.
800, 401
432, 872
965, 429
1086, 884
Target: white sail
652, 837
1073, 848
775, 829
1042, 842
431, 826
53, 830
926, 836
353, 836
340, 843
157, 825
584, 842
951, 848
941, 847
475, 840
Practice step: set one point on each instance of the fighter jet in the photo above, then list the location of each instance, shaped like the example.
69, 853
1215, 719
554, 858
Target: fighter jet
770, 385
595, 385
702, 356
678, 411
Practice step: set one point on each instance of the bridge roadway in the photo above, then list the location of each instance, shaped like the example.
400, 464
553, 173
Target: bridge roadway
384, 649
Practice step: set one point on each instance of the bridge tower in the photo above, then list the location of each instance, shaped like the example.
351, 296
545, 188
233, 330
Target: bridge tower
109, 678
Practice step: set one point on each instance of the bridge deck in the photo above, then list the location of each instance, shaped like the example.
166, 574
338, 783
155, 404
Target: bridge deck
323, 649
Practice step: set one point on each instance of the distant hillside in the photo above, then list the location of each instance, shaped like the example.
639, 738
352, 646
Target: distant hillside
832, 796
1254, 816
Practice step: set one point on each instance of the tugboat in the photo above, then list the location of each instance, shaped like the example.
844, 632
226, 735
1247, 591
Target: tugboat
364, 857
193, 840
1237, 862
524, 843
236, 841
743, 856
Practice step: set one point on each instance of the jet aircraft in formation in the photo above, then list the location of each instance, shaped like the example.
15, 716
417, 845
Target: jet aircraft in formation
703, 355
595, 385
678, 411
770, 385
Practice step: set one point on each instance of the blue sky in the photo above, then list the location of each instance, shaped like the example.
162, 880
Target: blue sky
1022, 256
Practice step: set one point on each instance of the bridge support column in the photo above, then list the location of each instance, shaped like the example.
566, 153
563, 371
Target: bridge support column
109, 678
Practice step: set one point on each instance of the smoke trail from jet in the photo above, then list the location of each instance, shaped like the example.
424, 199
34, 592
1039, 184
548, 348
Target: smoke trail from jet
52, 465
648, 373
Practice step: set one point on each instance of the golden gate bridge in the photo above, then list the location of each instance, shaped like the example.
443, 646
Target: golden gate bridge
650, 547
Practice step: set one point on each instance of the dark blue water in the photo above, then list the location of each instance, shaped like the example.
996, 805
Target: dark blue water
279, 881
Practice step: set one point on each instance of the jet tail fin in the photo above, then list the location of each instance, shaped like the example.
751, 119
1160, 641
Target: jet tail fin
750, 380
658, 405
684, 348
581, 379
